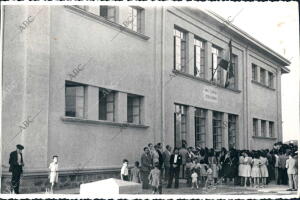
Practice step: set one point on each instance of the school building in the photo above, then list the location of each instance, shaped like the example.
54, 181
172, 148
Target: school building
95, 84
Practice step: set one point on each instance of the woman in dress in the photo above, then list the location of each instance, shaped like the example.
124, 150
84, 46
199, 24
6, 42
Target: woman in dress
212, 161
53, 176
255, 171
263, 168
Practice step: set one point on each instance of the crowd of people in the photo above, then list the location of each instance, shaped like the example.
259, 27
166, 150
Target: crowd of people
203, 167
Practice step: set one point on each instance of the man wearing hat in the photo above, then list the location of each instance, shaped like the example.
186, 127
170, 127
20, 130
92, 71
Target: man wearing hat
16, 167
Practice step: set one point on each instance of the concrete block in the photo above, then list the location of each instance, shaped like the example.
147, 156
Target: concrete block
110, 186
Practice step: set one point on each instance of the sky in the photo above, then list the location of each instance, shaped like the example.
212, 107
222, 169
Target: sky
275, 24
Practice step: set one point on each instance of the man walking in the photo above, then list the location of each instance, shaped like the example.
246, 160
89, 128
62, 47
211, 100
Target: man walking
146, 165
16, 165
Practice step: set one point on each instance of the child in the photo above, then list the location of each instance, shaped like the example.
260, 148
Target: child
194, 177
124, 171
247, 168
255, 171
154, 178
188, 171
135, 175
53, 176
291, 171
203, 172
263, 169
209, 181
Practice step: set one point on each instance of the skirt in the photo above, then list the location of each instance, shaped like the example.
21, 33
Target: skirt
255, 172
264, 171
241, 169
247, 171
53, 177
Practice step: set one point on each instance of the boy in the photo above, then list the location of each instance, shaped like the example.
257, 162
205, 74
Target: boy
124, 171
209, 181
194, 179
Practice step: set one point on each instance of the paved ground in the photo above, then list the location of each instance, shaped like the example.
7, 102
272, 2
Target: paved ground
223, 189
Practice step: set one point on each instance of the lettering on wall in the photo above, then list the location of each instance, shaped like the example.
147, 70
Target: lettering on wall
210, 94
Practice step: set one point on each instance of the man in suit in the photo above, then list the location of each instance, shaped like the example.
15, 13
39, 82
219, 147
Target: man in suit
146, 165
175, 162
16, 165
166, 159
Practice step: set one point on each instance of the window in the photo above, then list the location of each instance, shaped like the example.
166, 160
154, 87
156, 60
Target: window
232, 73
217, 130
262, 76
134, 109
200, 128
134, 20
199, 58
74, 94
270, 80
254, 72
179, 50
263, 128
217, 78
232, 130
180, 122
271, 129
106, 104
255, 127
108, 12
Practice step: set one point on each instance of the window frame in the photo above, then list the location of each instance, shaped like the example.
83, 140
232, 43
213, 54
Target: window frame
182, 39
217, 119
200, 124
75, 84
199, 52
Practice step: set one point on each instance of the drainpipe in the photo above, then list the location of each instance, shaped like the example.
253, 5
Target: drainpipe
163, 19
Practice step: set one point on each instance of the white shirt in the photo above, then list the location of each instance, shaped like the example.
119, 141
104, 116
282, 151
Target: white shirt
194, 177
124, 170
175, 158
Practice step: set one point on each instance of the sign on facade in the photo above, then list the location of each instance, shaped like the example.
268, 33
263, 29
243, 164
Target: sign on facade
210, 94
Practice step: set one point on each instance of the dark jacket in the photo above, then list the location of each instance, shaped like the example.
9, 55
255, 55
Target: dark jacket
177, 163
146, 162
13, 162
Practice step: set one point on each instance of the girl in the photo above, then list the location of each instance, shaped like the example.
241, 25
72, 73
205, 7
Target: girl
209, 181
212, 161
203, 173
154, 179
247, 168
53, 176
241, 169
255, 171
263, 168
135, 175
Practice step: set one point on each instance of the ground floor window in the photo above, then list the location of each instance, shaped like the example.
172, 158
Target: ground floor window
217, 130
263, 128
271, 129
134, 109
200, 128
180, 122
106, 104
232, 130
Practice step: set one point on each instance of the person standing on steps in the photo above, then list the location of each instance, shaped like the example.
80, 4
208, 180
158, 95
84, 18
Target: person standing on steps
16, 165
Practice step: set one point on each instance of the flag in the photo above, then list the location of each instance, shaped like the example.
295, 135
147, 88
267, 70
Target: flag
229, 73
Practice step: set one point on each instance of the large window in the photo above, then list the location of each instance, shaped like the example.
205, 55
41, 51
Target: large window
263, 128
216, 57
254, 72
74, 97
232, 76
179, 50
106, 104
271, 80
180, 123
255, 127
217, 130
199, 58
271, 129
232, 130
134, 109
200, 128
262, 76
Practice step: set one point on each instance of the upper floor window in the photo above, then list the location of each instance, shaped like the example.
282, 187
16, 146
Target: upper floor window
180, 48
216, 57
106, 104
255, 127
232, 73
108, 12
271, 80
254, 72
199, 58
134, 109
262, 76
134, 20
263, 128
74, 97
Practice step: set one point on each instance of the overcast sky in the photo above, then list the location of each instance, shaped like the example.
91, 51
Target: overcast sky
275, 24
